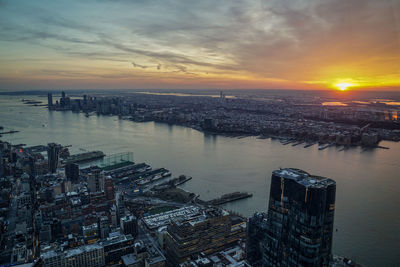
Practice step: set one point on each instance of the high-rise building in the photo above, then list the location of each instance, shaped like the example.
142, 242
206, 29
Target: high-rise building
96, 180
53, 151
90, 233
62, 99
109, 188
2, 163
104, 227
129, 225
117, 246
49, 100
120, 206
256, 229
72, 172
300, 219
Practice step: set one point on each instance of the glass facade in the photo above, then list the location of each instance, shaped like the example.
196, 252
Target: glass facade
300, 220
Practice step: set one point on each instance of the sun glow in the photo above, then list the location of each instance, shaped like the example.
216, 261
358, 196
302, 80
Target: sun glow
343, 86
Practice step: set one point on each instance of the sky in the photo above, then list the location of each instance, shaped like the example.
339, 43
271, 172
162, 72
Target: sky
207, 44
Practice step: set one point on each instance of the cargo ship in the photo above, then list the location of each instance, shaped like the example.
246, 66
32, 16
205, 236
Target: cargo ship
87, 156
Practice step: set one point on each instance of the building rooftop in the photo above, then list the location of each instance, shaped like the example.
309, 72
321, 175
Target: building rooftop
128, 218
116, 239
304, 178
129, 259
162, 219
48, 254
82, 249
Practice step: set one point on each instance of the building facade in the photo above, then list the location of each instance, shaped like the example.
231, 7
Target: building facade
211, 232
53, 151
96, 180
300, 219
256, 229
72, 172
89, 255
129, 225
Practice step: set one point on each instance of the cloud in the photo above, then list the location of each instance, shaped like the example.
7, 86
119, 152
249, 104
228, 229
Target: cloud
181, 68
294, 41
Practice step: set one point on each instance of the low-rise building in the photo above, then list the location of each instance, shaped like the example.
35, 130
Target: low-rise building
89, 255
212, 231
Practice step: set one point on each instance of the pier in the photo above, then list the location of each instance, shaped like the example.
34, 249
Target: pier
229, 198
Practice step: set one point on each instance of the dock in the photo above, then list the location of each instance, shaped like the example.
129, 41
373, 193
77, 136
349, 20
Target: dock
85, 157
10, 132
308, 145
297, 143
229, 198
172, 183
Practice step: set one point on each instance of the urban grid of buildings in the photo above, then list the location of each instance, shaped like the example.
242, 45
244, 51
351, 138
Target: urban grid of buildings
293, 120
56, 211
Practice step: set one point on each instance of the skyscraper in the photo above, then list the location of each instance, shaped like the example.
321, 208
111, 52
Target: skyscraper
72, 172
129, 225
256, 229
109, 188
300, 219
62, 99
53, 151
96, 180
49, 100
120, 201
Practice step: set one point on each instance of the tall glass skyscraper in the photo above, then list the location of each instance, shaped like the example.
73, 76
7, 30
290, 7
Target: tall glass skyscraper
53, 151
300, 219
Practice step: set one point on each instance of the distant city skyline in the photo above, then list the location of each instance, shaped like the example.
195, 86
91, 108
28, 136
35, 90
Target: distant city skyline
302, 44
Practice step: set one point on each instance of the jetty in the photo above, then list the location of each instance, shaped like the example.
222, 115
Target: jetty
229, 198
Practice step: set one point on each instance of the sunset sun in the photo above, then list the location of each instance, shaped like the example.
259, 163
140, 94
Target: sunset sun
343, 86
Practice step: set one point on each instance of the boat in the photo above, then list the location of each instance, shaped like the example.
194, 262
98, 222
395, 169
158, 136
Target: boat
156, 177
143, 182
321, 147
165, 174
